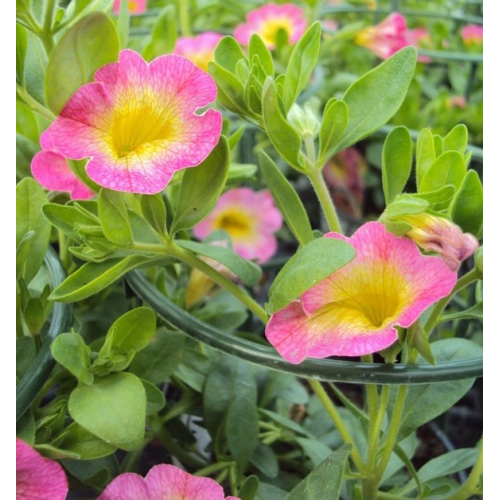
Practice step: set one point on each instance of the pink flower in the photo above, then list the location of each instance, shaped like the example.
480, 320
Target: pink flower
134, 6
52, 171
163, 482
199, 49
137, 122
356, 309
249, 218
440, 235
267, 20
472, 34
385, 38
420, 38
38, 477
457, 101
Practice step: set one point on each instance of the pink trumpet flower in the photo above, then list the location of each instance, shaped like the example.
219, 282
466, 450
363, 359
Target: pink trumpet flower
356, 309
199, 49
137, 122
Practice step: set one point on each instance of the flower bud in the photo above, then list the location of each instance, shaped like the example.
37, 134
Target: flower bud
304, 121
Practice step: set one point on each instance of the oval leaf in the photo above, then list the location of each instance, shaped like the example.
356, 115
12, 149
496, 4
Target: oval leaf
71, 351
449, 168
466, 209
335, 119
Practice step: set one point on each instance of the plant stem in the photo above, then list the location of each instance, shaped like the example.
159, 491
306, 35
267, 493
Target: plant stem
375, 426
337, 420
184, 17
46, 34
193, 261
325, 200
210, 469
31, 103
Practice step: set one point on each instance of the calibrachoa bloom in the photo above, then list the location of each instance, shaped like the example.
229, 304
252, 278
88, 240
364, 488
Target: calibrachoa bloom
134, 6
52, 171
385, 38
440, 235
38, 477
249, 218
420, 38
355, 310
199, 49
163, 482
137, 122
268, 20
472, 34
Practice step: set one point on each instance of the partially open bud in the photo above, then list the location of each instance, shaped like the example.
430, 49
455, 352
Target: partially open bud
304, 121
440, 235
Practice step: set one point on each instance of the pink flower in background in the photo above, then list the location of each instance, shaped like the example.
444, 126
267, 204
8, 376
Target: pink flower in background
199, 49
38, 477
137, 122
457, 101
472, 35
53, 172
250, 218
356, 309
440, 235
385, 38
134, 6
419, 38
163, 482
267, 20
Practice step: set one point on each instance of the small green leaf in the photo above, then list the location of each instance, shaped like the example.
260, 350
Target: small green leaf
230, 91
404, 204
87, 46
474, 312
228, 53
25, 150
419, 340
71, 351
249, 488
163, 35
375, 97
312, 263
397, 157
265, 460
466, 209
242, 430
201, 187
78, 440
441, 196
114, 218
155, 399
449, 168
66, 218
154, 211
113, 408
287, 200
325, 480
21, 49
438, 145
234, 139
258, 48
335, 119
456, 140
301, 64
247, 271
283, 136
35, 66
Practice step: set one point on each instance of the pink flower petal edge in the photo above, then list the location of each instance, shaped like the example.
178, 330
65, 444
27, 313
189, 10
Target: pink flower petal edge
38, 477
355, 310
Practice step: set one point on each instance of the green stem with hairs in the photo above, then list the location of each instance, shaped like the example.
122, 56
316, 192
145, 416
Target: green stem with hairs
325, 200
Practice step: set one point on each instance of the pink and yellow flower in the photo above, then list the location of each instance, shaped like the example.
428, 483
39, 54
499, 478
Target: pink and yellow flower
52, 171
250, 218
472, 35
268, 20
137, 122
440, 235
199, 49
385, 38
134, 6
355, 310
163, 482
38, 477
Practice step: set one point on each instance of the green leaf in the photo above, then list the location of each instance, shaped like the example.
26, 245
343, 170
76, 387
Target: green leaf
154, 397
123, 24
228, 53
258, 48
249, 488
375, 97
201, 187
316, 450
441, 196
78, 440
312, 263
325, 480
419, 340
301, 64
25, 150
335, 119
21, 50
154, 211
456, 140
283, 136
427, 401
397, 157
71, 351
230, 91
35, 65
466, 209
87, 46
270, 492
27, 124
474, 312
93, 277
113, 408
438, 145
233, 141
25, 428
287, 200
163, 35
449, 168
247, 271
114, 217
242, 430
66, 218
30, 198
264, 458
159, 359
25, 354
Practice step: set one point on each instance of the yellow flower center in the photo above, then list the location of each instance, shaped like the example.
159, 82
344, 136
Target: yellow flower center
235, 223
270, 30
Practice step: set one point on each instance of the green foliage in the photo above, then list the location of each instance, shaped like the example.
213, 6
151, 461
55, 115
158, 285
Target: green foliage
335, 120
259, 49
448, 168
70, 351
466, 210
154, 211
76, 439
164, 34
114, 217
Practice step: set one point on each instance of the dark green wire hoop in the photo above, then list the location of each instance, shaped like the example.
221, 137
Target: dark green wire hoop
42, 365
321, 369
